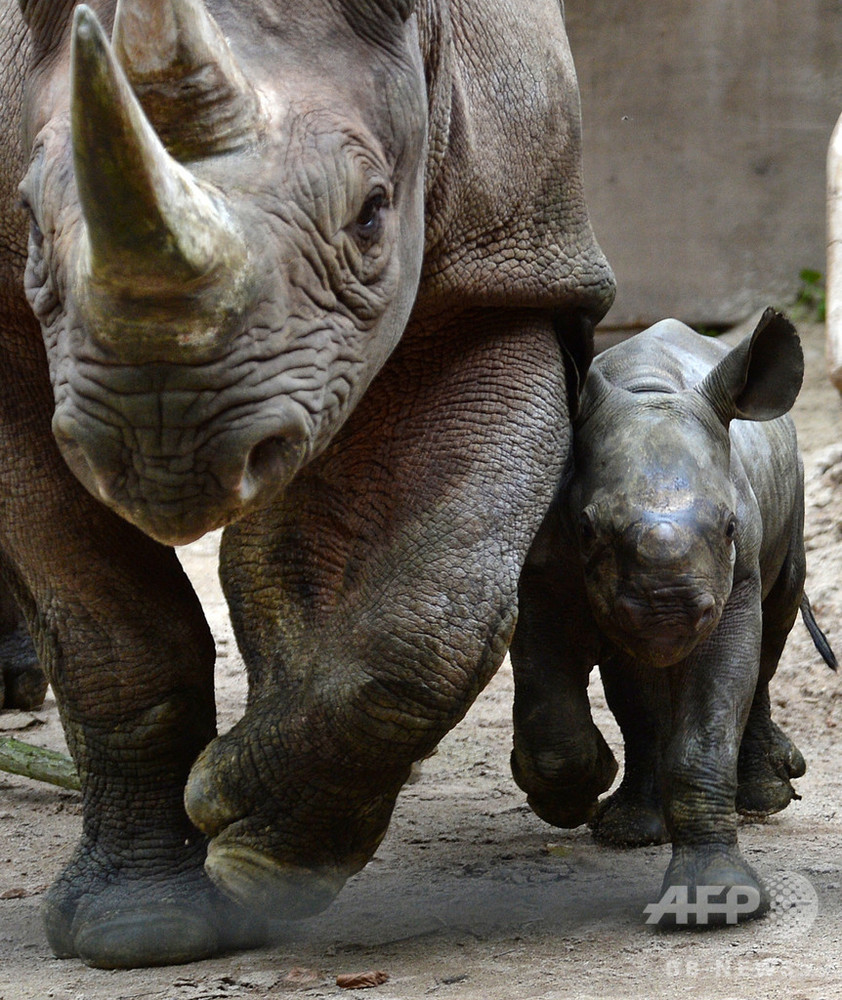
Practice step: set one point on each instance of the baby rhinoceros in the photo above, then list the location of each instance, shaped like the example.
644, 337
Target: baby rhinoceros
674, 559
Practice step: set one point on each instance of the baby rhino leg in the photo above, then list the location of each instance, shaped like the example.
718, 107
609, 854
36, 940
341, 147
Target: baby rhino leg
560, 758
768, 759
639, 699
23, 683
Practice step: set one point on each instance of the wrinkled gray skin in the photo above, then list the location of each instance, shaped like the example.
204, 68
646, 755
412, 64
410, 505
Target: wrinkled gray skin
674, 559
321, 272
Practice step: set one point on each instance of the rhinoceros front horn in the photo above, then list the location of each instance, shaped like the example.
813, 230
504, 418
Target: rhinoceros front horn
185, 76
152, 230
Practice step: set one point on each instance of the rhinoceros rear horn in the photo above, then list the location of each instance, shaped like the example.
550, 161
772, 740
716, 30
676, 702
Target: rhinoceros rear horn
150, 225
761, 377
185, 76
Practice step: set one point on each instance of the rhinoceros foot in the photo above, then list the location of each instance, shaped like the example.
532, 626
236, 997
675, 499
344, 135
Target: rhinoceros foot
629, 818
564, 791
709, 885
264, 885
767, 762
114, 920
285, 833
22, 681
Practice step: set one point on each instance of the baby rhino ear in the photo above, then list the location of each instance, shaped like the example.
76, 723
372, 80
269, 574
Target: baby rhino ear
761, 377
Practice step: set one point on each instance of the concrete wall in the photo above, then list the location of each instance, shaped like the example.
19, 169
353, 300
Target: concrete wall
706, 128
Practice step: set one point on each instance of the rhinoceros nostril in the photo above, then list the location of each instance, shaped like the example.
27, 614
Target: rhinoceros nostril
80, 456
271, 463
267, 458
705, 612
630, 615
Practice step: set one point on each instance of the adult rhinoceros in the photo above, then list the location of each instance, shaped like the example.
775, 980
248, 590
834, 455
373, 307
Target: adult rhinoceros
320, 270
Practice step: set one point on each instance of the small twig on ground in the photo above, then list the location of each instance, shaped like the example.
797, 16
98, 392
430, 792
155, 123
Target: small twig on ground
18, 757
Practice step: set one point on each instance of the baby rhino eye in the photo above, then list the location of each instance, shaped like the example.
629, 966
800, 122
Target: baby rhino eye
587, 527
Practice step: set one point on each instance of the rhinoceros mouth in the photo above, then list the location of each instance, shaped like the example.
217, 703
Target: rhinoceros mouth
178, 496
659, 633
657, 652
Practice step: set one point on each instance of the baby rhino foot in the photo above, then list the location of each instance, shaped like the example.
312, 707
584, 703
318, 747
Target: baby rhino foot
765, 768
629, 819
564, 791
706, 886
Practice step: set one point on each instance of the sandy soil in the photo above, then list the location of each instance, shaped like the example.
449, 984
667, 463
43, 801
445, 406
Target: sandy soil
470, 895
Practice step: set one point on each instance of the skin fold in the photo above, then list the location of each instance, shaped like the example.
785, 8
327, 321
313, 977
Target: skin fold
321, 274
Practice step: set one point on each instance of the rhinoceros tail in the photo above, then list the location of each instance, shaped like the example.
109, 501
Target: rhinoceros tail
816, 634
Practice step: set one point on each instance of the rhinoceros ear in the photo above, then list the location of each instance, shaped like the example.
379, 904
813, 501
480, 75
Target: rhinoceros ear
48, 21
761, 377
374, 15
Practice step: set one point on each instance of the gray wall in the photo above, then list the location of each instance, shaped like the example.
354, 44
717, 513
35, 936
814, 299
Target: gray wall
706, 126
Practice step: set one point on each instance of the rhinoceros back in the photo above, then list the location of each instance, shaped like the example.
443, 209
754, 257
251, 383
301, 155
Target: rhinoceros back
668, 356
506, 217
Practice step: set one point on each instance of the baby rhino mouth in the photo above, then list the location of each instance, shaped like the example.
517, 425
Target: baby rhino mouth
661, 630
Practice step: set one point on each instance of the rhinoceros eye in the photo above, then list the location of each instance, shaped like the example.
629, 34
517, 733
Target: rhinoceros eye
35, 234
369, 223
587, 527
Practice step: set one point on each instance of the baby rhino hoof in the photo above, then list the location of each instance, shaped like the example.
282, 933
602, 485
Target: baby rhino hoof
564, 792
764, 772
623, 820
708, 886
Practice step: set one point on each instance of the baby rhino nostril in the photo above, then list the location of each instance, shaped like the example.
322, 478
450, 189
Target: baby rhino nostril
631, 616
705, 612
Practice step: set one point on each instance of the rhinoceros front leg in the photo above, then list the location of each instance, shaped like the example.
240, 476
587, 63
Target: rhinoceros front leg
126, 648
712, 692
130, 662
375, 601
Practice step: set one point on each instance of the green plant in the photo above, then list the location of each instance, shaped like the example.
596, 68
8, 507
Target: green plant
809, 302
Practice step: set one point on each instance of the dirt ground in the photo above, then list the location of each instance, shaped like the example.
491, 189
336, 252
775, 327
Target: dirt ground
471, 896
